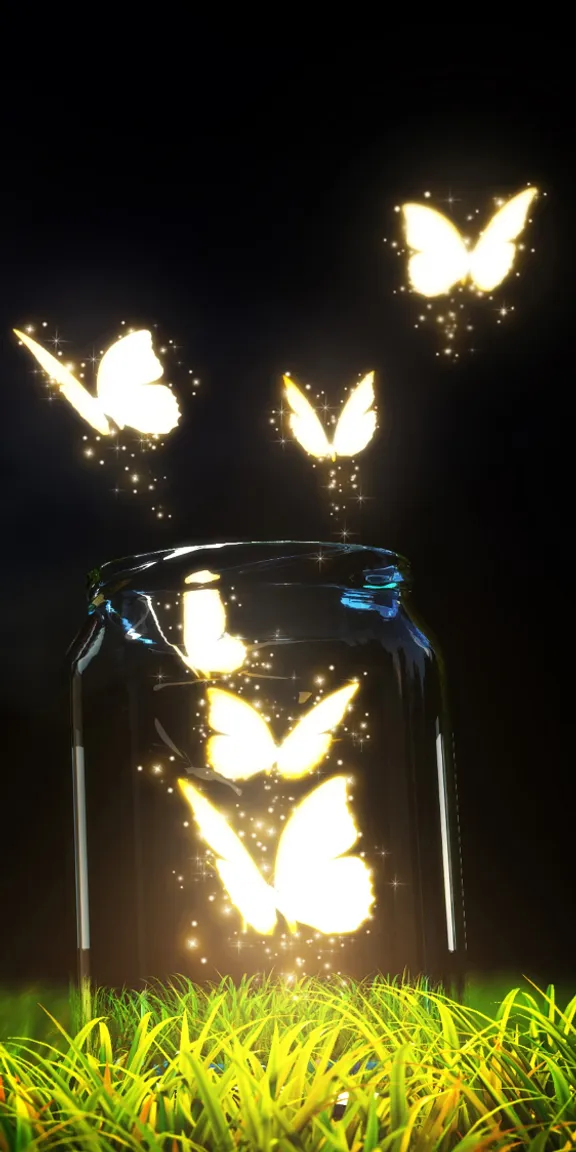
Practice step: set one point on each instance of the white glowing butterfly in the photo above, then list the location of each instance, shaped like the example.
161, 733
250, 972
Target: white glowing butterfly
314, 882
126, 388
246, 745
355, 427
441, 257
207, 645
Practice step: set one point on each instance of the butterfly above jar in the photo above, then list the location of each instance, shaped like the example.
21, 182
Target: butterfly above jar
442, 257
449, 273
352, 431
127, 389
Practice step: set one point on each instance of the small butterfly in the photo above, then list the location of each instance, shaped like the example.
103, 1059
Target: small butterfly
126, 388
314, 882
245, 745
441, 257
208, 647
354, 429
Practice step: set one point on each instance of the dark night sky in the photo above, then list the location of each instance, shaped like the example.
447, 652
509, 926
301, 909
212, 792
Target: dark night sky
270, 256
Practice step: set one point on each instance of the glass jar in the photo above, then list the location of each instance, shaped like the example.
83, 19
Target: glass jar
269, 777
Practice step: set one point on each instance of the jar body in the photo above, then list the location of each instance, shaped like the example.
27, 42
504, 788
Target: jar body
269, 776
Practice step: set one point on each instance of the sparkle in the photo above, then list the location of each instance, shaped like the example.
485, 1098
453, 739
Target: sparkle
450, 200
396, 883
240, 944
57, 340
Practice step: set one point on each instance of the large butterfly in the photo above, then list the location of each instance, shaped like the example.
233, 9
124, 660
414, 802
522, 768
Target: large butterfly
246, 746
126, 388
441, 257
314, 882
355, 427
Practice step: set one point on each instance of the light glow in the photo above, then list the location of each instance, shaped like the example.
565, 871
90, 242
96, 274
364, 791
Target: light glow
354, 429
314, 883
246, 746
126, 388
441, 256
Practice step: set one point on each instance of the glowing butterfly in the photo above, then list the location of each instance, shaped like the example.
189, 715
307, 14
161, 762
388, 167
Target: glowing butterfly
441, 257
126, 388
314, 882
207, 645
246, 746
355, 427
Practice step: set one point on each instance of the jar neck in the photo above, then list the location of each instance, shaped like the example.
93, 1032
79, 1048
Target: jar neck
271, 563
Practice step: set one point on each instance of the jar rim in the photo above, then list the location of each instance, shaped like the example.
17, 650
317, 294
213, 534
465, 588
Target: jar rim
246, 557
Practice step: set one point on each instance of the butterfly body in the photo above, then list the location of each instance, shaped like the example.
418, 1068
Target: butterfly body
127, 391
354, 429
442, 257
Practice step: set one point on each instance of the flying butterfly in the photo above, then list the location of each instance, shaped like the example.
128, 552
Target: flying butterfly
127, 391
245, 745
441, 258
355, 427
314, 882
208, 647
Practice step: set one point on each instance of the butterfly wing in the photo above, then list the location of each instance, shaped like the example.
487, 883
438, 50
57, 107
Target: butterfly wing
201, 577
207, 645
307, 743
126, 388
245, 745
494, 254
305, 423
440, 258
247, 889
357, 423
77, 395
315, 883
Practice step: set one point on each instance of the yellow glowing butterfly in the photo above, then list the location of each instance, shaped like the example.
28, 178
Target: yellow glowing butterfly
126, 388
355, 427
441, 257
246, 745
314, 882
207, 645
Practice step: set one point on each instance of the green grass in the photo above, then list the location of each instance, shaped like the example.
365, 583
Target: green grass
320, 1067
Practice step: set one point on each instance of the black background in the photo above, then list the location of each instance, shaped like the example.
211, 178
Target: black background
258, 247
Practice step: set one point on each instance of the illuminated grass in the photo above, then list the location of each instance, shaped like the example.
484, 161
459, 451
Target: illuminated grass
315, 1068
